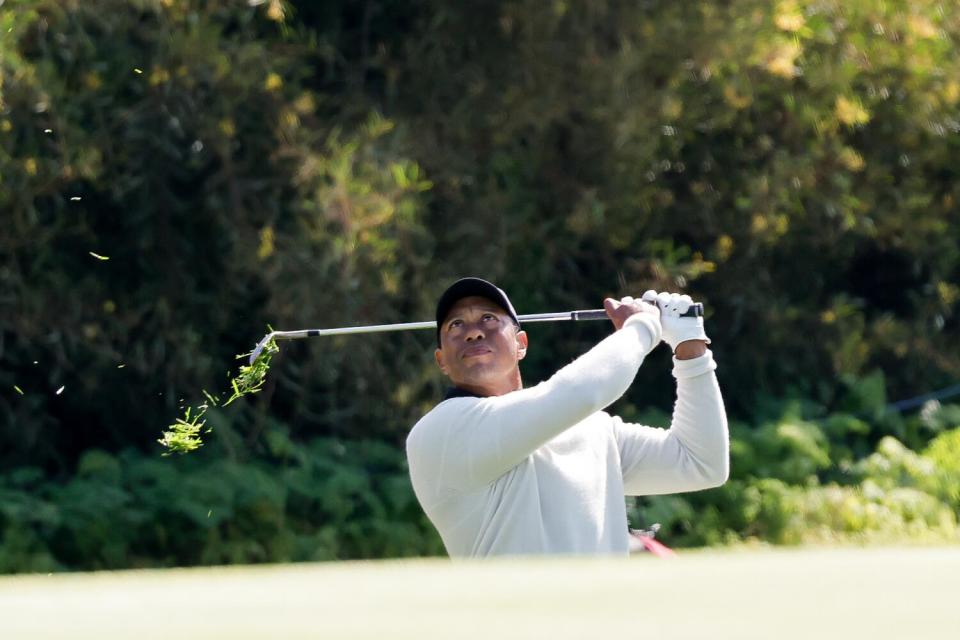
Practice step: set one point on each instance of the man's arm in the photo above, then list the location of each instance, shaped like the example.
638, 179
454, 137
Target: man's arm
466, 443
694, 453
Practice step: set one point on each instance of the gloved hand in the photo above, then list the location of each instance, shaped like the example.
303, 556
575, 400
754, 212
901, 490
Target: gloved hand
676, 329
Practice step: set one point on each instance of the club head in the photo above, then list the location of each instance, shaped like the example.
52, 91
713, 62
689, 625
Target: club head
260, 345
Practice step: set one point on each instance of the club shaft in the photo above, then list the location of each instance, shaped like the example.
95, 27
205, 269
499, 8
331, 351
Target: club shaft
587, 314
594, 314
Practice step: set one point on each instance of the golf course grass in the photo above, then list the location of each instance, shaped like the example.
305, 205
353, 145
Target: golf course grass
811, 593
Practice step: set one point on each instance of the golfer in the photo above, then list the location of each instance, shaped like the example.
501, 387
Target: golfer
505, 470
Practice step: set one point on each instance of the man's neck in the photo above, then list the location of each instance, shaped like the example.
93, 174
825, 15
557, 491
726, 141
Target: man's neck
512, 382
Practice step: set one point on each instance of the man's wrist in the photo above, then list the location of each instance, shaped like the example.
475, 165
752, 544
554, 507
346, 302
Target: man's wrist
690, 349
651, 326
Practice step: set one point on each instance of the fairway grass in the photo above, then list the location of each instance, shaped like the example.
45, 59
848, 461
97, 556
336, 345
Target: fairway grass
769, 594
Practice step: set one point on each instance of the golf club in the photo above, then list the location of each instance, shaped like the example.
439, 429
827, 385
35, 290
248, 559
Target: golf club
695, 310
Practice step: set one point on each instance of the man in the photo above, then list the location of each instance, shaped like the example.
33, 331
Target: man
503, 470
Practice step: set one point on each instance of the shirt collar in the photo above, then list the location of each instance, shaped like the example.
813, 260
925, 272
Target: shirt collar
457, 392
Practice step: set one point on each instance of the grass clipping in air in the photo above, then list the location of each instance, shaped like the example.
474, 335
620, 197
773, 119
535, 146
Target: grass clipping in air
185, 435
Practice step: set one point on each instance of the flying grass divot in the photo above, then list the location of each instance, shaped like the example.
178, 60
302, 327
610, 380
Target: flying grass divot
185, 435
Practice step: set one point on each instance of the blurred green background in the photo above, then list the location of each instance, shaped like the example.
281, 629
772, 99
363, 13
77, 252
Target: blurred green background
176, 176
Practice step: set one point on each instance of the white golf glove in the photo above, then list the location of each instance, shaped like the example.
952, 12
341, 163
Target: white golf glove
676, 329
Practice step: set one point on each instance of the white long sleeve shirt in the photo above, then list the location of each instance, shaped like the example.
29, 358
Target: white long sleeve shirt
544, 470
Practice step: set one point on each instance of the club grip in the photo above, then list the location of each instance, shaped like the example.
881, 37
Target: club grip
695, 311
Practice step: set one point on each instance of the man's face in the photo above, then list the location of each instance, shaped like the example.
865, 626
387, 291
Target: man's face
479, 344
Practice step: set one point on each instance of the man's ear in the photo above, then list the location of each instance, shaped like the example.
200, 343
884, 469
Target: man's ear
438, 356
521, 345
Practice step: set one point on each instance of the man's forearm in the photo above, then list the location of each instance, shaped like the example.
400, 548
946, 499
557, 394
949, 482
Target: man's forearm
694, 453
699, 418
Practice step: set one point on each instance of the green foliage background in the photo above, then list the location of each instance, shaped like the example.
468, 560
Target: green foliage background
790, 164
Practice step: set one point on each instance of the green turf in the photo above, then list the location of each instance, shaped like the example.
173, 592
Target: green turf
843, 593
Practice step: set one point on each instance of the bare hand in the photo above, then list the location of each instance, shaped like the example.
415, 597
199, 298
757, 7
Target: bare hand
619, 311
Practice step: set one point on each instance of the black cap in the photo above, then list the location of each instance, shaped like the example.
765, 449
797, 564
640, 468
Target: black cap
466, 287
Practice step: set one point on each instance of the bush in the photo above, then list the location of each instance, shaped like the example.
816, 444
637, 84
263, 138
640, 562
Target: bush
328, 500
786, 489
944, 455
